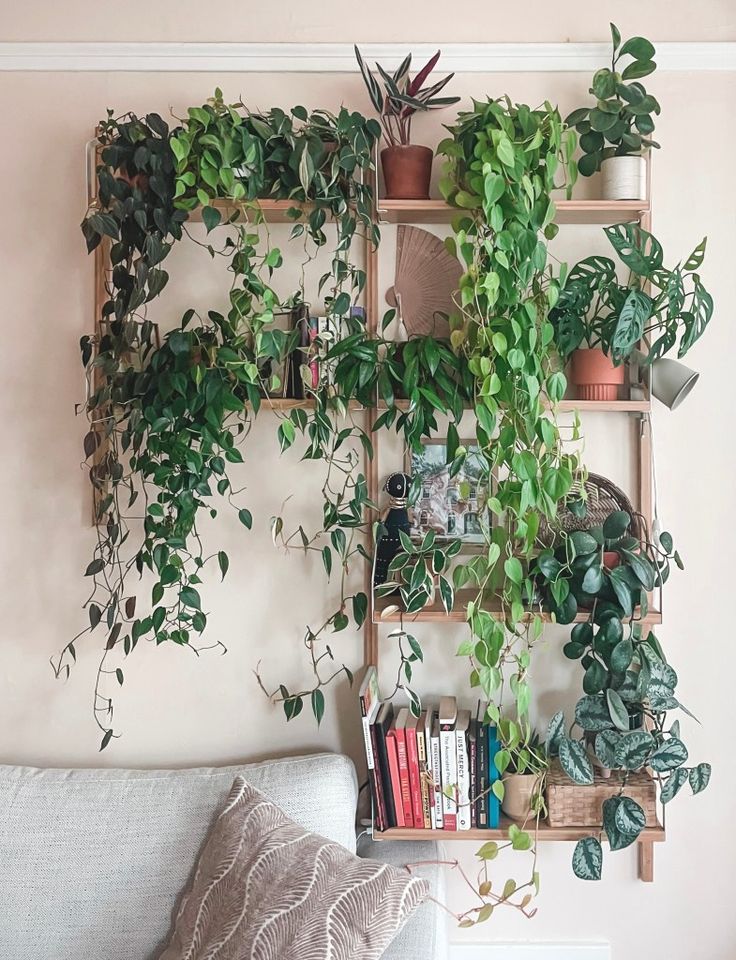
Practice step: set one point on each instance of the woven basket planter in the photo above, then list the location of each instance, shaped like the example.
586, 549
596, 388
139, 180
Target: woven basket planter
574, 805
603, 497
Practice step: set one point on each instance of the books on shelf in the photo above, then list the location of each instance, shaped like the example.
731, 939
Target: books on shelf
432, 771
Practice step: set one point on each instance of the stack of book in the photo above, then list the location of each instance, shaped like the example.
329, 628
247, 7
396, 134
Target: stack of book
431, 772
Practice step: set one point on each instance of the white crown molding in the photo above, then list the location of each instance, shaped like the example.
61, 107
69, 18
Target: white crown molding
339, 57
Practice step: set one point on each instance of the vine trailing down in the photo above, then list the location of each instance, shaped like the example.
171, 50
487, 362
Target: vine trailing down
169, 417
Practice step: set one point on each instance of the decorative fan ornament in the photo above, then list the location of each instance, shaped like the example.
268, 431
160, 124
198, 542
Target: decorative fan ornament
426, 277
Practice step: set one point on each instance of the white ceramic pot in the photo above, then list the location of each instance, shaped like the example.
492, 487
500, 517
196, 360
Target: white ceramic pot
624, 178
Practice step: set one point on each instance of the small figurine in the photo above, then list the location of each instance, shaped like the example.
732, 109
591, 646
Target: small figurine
394, 518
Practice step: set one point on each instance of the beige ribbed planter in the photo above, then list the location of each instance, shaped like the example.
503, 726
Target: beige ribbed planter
624, 178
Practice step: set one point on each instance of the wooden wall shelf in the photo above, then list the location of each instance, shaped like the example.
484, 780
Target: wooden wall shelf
546, 834
435, 613
568, 211
437, 211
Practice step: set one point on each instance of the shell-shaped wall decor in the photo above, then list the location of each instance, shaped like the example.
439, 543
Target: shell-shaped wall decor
426, 277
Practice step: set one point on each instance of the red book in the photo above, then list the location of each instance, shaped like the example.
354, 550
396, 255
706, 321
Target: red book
400, 728
393, 766
415, 783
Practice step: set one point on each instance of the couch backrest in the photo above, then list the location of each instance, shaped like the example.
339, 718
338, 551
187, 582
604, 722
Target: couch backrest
92, 862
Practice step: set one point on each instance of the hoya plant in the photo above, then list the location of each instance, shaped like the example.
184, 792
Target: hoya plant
621, 122
650, 312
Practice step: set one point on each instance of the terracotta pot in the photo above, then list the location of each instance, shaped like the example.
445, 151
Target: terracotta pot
406, 172
519, 789
594, 375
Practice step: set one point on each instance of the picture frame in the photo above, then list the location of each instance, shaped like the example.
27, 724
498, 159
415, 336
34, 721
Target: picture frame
454, 507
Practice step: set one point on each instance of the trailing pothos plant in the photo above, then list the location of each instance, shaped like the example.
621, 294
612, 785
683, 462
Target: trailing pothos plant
502, 163
629, 687
166, 420
648, 312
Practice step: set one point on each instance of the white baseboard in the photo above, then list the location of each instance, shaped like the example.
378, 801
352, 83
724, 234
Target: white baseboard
530, 951
163, 57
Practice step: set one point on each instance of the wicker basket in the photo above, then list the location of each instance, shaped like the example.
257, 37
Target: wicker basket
602, 498
573, 805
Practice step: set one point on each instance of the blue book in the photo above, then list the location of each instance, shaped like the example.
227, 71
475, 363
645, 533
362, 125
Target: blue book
494, 805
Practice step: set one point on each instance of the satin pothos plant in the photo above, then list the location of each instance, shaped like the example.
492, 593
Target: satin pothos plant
167, 420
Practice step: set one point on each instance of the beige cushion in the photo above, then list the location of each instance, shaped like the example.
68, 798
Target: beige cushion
267, 889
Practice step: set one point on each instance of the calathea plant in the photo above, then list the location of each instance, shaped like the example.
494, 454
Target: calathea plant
621, 122
656, 305
166, 421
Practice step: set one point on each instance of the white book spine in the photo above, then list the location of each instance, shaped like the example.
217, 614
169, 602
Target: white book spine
430, 765
448, 754
368, 744
463, 781
437, 778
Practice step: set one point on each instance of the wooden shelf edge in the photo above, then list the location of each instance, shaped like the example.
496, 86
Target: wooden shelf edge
568, 211
435, 613
546, 834
569, 406
437, 211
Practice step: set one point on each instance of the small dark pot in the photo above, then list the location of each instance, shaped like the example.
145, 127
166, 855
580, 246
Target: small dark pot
407, 171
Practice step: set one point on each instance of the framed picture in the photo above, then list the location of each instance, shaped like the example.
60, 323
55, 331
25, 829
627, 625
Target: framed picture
454, 507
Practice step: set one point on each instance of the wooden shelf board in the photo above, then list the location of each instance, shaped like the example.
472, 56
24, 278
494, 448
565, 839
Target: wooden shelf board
546, 833
435, 613
274, 211
568, 211
285, 403
437, 211
569, 406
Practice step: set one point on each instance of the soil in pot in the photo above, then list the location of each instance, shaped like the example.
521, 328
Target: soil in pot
519, 790
406, 172
594, 376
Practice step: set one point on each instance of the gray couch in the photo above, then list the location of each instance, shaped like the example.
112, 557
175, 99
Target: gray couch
92, 862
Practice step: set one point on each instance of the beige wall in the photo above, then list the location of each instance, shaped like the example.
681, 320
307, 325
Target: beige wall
536, 21
176, 709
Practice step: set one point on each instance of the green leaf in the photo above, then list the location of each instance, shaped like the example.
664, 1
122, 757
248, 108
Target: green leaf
672, 753
595, 677
617, 709
699, 777
575, 761
633, 750
676, 780
514, 570
587, 859
106, 739
616, 524
190, 598
591, 714
489, 851
327, 560
623, 821
606, 743
555, 733
119, 676
211, 217
622, 655
638, 69
224, 562
318, 705
638, 48
505, 152
583, 542
360, 608
245, 518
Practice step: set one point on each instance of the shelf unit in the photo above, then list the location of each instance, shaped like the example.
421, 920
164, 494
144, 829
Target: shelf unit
581, 212
569, 212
